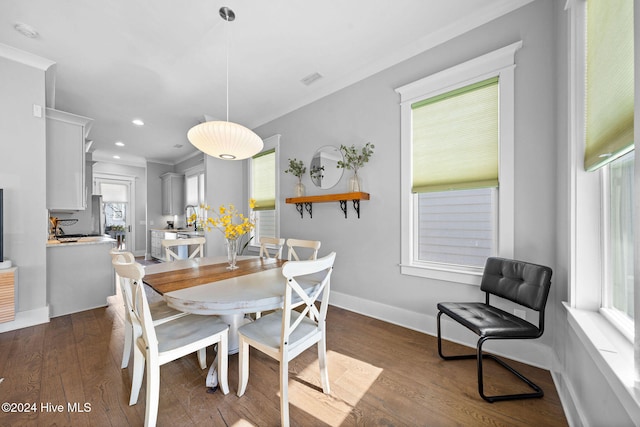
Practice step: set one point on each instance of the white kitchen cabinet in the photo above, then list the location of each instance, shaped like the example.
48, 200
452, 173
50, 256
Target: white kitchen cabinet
156, 244
66, 135
172, 194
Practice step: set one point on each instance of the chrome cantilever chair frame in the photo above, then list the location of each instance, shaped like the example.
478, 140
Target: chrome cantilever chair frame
521, 282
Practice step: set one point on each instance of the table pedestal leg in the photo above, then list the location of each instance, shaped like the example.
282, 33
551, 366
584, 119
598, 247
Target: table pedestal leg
234, 321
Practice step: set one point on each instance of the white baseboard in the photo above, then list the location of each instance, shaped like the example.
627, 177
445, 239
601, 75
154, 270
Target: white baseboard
24, 319
531, 352
568, 399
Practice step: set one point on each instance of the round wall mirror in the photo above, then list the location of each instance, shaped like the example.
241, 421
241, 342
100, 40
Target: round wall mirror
324, 170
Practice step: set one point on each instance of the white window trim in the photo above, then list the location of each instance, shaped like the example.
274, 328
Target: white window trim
193, 170
273, 142
610, 350
130, 182
499, 63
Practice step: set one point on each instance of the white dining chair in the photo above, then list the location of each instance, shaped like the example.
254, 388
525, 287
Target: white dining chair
276, 243
286, 333
312, 245
160, 311
168, 244
157, 345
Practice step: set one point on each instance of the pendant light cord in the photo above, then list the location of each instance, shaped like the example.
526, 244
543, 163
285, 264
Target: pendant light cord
227, 59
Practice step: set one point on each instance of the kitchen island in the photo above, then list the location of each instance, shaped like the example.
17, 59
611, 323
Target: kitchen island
79, 274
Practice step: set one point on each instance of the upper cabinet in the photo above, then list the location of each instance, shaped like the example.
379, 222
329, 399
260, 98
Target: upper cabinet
66, 135
172, 194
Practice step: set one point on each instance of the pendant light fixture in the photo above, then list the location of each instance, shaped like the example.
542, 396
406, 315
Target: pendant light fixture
224, 139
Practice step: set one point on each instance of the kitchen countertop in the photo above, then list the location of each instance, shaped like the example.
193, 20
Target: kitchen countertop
90, 240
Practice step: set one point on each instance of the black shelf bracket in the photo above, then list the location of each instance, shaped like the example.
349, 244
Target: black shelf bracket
343, 206
356, 207
301, 207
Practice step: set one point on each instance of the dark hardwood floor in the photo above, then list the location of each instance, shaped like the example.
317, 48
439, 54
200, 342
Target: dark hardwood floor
67, 373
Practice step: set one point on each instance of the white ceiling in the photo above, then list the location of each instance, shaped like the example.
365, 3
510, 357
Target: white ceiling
163, 61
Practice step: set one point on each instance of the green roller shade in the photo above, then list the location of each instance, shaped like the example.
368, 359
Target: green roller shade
264, 180
610, 88
455, 139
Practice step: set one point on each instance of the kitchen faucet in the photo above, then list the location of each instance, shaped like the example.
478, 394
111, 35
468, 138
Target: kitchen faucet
186, 215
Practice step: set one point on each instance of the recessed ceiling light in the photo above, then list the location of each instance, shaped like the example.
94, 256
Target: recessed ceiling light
26, 30
116, 157
120, 144
137, 122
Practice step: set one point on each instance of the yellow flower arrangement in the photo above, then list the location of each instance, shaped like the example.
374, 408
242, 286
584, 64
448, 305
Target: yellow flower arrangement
228, 220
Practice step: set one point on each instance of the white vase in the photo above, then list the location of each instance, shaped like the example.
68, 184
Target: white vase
299, 190
354, 183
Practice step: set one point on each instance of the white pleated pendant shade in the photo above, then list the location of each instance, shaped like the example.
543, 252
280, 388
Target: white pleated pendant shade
225, 140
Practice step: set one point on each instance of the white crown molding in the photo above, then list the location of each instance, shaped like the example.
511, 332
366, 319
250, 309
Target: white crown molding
26, 58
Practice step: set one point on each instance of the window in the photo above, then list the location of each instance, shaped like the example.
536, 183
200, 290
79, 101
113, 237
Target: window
456, 227
457, 144
592, 186
264, 188
617, 301
609, 148
455, 166
194, 186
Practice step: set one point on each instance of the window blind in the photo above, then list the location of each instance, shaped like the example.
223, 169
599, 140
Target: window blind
192, 197
609, 87
264, 180
455, 139
114, 192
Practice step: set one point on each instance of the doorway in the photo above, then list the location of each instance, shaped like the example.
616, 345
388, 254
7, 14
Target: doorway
117, 197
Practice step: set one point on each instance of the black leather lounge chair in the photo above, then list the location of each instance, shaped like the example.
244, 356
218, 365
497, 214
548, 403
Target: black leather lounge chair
521, 282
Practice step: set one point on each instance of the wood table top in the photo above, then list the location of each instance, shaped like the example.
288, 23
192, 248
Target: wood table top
174, 280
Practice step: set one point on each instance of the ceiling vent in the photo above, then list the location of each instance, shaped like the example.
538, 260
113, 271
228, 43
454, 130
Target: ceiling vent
311, 78
26, 30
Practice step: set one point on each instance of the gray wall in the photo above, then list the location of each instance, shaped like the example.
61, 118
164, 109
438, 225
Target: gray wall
367, 276
192, 161
225, 184
23, 178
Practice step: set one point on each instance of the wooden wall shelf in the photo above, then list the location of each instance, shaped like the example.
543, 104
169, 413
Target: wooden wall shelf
306, 202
